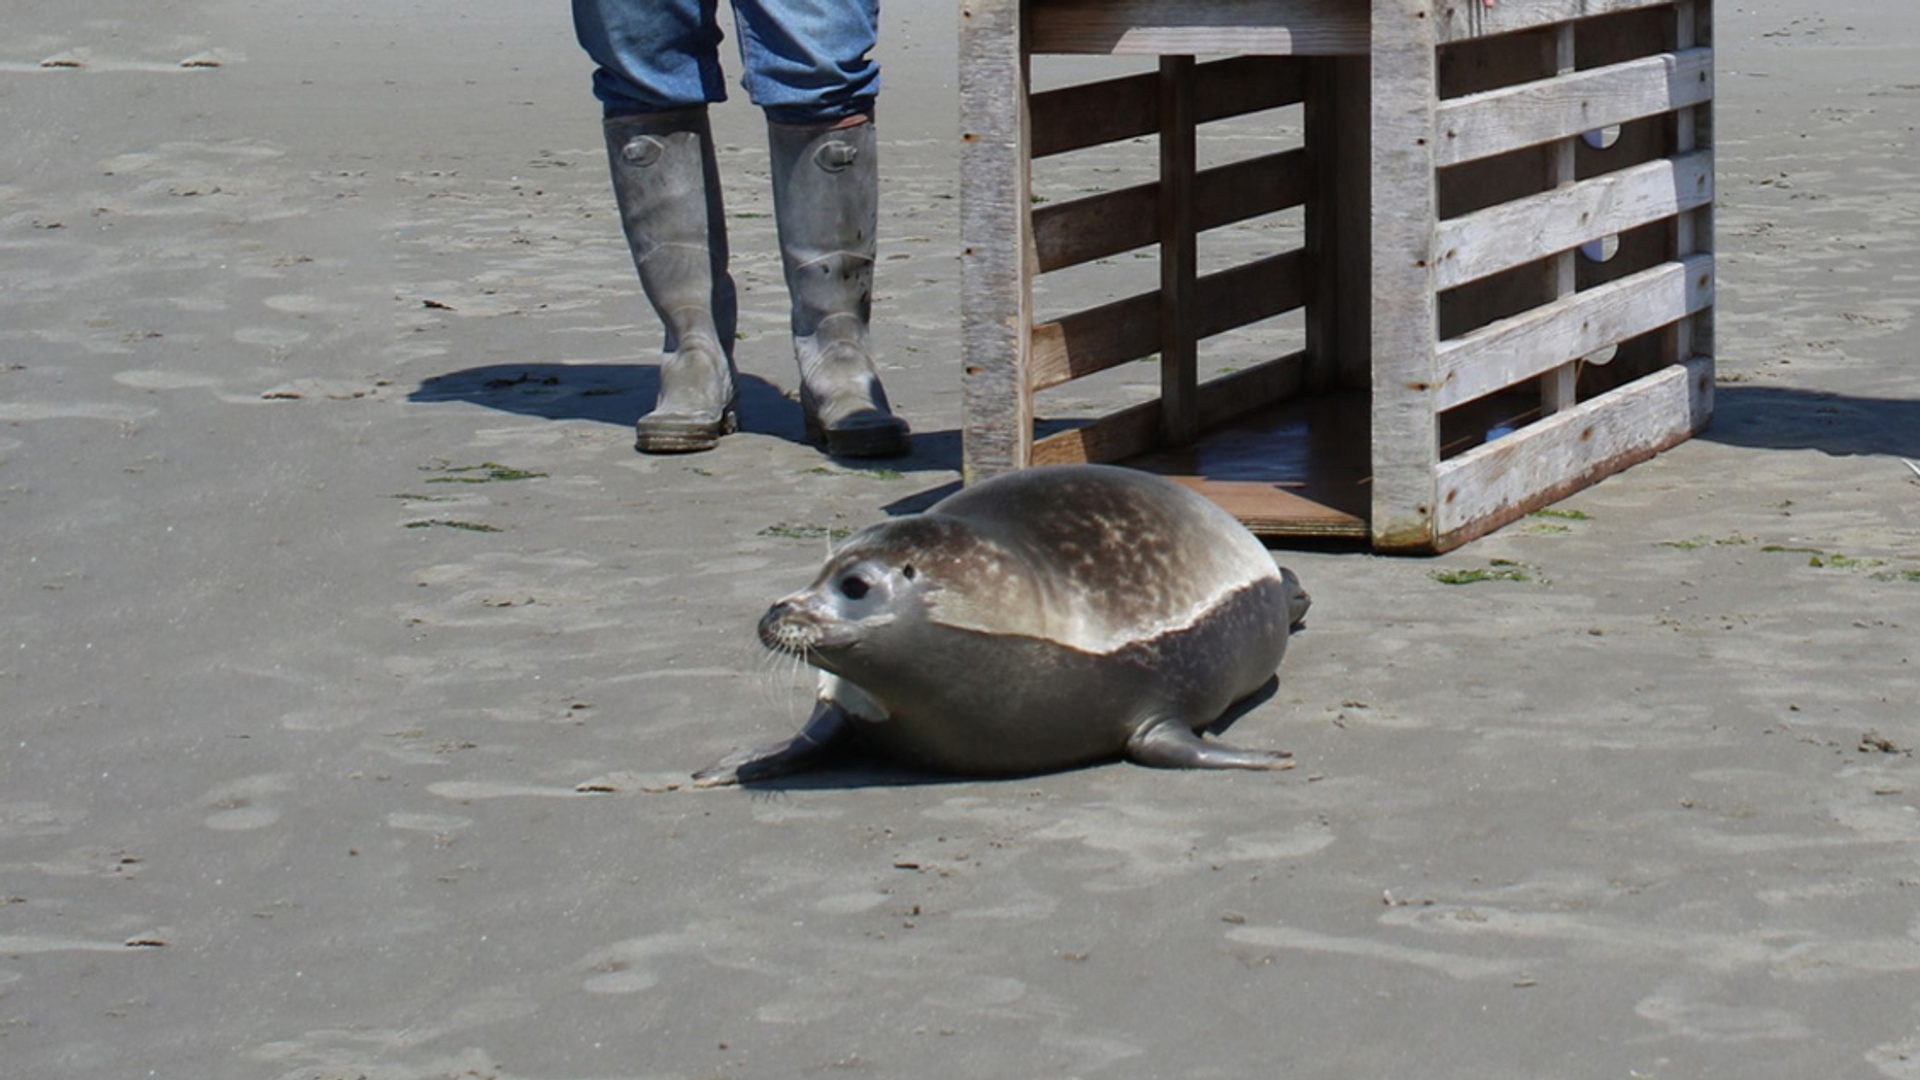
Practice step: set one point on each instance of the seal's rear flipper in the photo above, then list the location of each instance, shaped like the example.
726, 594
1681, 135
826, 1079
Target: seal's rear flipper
828, 725
1171, 744
1297, 599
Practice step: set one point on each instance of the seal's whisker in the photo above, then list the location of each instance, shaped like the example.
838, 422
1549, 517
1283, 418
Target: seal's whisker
781, 674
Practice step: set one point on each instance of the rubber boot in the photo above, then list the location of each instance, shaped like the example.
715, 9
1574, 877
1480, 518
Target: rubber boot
826, 194
668, 186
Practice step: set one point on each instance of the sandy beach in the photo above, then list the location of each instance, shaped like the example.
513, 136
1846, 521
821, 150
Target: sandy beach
352, 663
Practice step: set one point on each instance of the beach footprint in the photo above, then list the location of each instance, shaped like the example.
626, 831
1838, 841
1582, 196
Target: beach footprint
243, 805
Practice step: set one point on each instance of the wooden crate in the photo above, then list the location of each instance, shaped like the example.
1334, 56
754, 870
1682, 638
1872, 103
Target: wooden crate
1500, 283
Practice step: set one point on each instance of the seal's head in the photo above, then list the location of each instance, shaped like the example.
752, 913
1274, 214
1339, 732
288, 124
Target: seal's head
886, 586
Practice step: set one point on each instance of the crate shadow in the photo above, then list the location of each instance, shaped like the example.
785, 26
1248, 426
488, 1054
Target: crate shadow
1783, 418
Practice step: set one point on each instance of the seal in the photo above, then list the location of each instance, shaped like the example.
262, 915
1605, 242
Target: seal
1040, 620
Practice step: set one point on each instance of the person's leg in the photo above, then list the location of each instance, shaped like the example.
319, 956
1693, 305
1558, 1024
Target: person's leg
825, 197
658, 66
809, 66
809, 61
651, 55
668, 186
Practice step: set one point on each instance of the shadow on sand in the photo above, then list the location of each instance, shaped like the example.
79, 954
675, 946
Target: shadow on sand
1783, 418
619, 393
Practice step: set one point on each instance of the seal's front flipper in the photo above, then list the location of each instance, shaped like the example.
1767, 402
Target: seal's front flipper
828, 725
1171, 744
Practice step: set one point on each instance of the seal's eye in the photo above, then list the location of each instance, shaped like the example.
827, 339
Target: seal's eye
907, 572
852, 587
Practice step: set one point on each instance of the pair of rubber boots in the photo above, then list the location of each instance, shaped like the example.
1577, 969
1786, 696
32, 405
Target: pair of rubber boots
826, 205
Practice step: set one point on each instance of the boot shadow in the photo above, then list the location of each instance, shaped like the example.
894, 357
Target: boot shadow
619, 394
604, 393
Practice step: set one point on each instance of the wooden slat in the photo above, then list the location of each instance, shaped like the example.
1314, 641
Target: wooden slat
995, 297
1094, 113
1460, 19
1127, 433
1501, 237
1082, 230
1252, 291
1498, 121
1405, 423
1493, 484
1230, 397
1184, 27
1134, 430
1113, 110
1095, 227
1077, 345
1084, 342
1240, 85
1511, 350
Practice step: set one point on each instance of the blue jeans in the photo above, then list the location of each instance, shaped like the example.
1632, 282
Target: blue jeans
807, 61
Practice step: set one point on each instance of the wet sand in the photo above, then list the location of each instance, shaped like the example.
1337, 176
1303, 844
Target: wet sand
352, 663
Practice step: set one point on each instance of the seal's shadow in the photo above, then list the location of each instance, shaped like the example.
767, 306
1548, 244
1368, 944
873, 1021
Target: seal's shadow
849, 766
619, 394
1784, 418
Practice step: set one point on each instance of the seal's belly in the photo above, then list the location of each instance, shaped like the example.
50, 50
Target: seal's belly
1000, 705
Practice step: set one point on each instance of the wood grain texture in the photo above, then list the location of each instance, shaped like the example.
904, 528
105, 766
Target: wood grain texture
1179, 254
1462, 19
1493, 484
1186, 27
1135, 430
997, 403
1083, 115
1088, 341
1514, 349
1498, 121
1406, 447
1110, 223
1501, 237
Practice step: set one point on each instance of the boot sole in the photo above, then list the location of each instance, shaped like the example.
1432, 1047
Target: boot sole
877, 441
681, 434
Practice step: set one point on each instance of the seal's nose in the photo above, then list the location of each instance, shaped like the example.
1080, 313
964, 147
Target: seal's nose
786, 627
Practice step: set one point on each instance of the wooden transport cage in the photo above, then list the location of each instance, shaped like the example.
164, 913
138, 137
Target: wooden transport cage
1499, 281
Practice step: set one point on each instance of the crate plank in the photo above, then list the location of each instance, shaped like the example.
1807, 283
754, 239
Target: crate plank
1499, 121
1501, 237
1096, 339
1462, 19
1511, 350
1092, 114
1076, 117
1133, 431
1493, 484
1182, 27
1097, 226
1270, 510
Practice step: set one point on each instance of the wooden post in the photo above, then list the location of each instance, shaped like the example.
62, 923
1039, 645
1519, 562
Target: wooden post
1558, 387
995, 238
1338, 225
1692, 130
1179, 255
1406, 438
